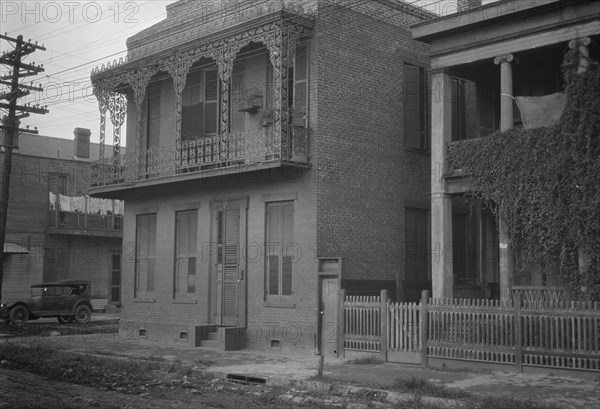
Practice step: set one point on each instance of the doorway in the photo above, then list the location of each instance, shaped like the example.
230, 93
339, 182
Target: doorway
329, 328
228, 264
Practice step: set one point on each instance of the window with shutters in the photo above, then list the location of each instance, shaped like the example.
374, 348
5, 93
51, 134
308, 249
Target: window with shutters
153, 95
415, 107
145, 254
279, 251
186, 253
199, 113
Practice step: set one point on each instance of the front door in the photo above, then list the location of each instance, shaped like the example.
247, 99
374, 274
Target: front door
229, 265
329, 317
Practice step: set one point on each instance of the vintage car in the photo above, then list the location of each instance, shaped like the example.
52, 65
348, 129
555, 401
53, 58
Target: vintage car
66, 300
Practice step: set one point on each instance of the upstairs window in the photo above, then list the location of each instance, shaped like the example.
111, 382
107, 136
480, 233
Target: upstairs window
200, 100
415, 107
153, 96
465, 118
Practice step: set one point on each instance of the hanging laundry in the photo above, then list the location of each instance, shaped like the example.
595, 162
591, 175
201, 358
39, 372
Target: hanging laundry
119, 207
65, 203
52, 200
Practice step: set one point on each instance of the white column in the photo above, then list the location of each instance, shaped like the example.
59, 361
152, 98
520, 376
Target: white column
506, 267
441, 202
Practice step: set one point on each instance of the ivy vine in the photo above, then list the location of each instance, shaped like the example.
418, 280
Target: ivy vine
545, 184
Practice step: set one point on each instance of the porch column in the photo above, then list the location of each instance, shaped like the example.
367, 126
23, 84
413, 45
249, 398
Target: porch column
506, 262
506, 89
584, 53
441, 202
281, 47
117, 106
225, 59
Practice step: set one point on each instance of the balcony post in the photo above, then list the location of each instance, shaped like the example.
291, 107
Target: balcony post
117, 106
139, 82
282, 46
100, 93
441, 202
506, 260
225, 59
85, 214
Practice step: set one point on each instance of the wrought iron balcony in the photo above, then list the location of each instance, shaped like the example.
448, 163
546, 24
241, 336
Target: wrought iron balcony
237, 152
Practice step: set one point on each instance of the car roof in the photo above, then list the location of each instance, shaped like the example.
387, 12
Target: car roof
63, 282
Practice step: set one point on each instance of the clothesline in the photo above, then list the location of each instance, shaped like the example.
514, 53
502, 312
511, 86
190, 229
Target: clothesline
78, 204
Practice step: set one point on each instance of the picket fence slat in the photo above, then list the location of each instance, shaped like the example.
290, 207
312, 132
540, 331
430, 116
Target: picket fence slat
551, 333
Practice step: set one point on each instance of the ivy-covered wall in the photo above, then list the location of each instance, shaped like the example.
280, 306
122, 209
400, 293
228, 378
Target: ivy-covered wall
545, 183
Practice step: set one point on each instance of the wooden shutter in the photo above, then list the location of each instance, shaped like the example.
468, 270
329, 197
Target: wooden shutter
231, 263
287, 248
273, 248
145, 253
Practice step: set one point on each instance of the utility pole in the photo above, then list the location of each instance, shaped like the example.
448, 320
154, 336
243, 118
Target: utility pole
10, 124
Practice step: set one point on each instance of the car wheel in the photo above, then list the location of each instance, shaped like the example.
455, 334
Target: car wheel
83, 314
19, 315
65, 319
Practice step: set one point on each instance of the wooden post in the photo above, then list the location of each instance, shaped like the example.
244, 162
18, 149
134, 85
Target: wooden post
423, 323
341, 327
518, 335
321, 362
384, 325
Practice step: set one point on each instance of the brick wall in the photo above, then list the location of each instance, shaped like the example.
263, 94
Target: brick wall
360, 157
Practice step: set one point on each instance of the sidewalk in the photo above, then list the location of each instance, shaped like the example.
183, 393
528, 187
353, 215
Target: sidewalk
567, 392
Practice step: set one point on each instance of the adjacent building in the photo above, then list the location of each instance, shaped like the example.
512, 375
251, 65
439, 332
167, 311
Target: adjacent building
276, 152
54, 230
484, 60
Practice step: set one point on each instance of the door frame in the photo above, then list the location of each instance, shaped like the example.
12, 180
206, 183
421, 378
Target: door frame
322, 277
215, 310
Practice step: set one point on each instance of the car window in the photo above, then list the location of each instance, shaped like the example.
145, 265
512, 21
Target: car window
54, 291
36, 291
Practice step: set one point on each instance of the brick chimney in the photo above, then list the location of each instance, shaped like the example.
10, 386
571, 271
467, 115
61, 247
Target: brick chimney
464, 5
82, 143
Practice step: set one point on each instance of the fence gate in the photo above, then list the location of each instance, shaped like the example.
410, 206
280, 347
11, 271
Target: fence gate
403, 338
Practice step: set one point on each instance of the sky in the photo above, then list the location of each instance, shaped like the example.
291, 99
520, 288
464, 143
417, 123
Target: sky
78, 36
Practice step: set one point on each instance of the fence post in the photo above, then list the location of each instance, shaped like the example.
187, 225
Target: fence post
423, 323
383, 321
341, 326
518, 335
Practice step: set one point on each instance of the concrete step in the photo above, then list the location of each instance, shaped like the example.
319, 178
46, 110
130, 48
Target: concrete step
213, 344
213, 336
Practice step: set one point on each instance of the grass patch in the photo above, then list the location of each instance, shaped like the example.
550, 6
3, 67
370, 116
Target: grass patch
423, 387
366, 360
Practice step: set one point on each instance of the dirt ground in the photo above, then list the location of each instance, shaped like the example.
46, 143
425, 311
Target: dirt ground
21, 390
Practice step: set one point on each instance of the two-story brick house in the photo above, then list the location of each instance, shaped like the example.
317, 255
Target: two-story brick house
494, 67
274, 155
54, 230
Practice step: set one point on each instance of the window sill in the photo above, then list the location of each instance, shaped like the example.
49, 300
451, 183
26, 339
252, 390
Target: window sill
144, 300
277, 304
185, 301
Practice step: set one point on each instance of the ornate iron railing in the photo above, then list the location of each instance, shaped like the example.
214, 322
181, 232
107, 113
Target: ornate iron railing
204, 154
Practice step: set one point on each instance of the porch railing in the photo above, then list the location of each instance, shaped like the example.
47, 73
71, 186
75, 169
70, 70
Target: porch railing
217, 152
77, 220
